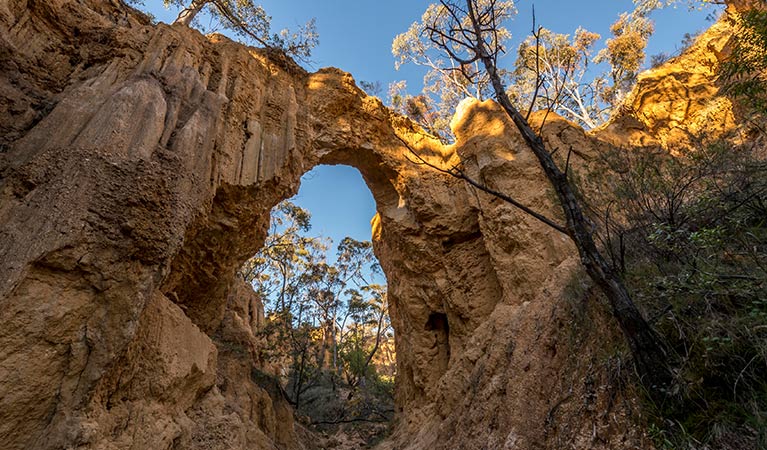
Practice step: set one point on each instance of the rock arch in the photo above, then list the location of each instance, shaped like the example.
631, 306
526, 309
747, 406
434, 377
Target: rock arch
147, 183
138, 167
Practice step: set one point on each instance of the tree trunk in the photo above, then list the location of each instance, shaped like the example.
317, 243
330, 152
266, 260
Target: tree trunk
647, 349
378, 341
335, 343
187, 15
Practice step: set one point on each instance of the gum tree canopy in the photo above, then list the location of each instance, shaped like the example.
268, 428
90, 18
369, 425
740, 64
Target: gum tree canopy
554, 71
250, 22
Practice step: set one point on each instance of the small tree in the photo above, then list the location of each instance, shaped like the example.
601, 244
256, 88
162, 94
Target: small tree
625, 52
370, 322
467, 32
317, 311
744, 73
287, 253
446, 82
420, 109
552, 70
550, 74
250, 21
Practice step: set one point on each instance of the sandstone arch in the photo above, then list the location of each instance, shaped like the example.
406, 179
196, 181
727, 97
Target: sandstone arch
170, 155
139, 164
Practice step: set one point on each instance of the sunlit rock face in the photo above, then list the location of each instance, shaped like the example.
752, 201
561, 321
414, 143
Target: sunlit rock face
678, 105
139, 165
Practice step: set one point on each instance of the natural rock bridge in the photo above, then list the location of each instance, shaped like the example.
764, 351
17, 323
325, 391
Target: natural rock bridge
139, 164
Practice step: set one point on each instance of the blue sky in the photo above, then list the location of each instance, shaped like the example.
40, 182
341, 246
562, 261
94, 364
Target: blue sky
356, 36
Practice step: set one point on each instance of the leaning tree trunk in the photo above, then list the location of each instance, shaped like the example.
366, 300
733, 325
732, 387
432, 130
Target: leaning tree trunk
646, 347
187, 15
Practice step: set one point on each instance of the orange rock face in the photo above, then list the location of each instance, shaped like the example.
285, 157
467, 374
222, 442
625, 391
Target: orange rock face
138, 168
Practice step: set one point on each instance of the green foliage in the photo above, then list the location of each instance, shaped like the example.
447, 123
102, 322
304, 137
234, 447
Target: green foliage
325, 320
555, 71
287, 253
446, 82
550, 74
355, 360
367, 309
625, 51
421, 109
552, 71
249, 22
694, 229
744, 73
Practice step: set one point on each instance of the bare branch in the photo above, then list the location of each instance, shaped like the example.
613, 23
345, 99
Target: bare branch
460, 174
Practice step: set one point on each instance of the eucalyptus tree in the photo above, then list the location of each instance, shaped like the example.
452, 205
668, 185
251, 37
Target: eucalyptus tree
625, 51
318, 310
446, 82
275, 271
551, 72
250, 22
555, 71
356, 265
369, 311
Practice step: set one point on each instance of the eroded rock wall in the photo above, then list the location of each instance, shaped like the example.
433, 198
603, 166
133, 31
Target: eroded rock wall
124, 146
679, 104
139, 165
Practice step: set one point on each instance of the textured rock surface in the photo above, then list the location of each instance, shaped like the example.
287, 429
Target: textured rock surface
139, 164
678, 104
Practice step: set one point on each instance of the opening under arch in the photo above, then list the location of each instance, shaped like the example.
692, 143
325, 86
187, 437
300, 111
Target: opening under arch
327, 335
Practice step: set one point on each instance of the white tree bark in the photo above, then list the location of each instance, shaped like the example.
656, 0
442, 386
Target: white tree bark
187, 15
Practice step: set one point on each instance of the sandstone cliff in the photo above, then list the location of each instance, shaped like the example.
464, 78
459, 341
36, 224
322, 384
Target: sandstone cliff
139, 165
